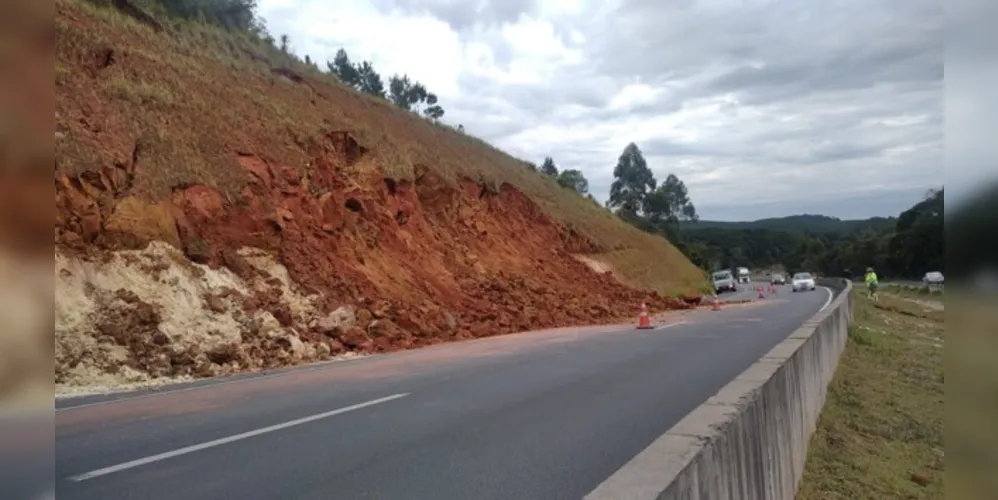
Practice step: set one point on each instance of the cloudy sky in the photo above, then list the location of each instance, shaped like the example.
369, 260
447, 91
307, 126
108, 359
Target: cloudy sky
763, 107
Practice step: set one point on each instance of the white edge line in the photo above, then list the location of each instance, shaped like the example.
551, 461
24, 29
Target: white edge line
235, 437
829, 301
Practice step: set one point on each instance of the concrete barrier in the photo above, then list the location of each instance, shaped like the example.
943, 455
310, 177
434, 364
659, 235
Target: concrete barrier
749, 441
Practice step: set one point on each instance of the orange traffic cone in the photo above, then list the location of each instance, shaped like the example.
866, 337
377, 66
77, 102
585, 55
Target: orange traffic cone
716, 306
643, 322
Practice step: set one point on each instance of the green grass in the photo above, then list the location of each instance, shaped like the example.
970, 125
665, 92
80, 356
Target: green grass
880, 434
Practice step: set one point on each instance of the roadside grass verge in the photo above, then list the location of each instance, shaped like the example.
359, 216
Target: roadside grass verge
912, 290
880, 434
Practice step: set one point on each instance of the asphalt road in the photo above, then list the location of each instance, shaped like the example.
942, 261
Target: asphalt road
542, 415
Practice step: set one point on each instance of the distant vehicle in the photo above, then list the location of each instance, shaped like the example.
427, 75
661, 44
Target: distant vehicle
724, 282
743, 275
777, 279
803, 282
933, 278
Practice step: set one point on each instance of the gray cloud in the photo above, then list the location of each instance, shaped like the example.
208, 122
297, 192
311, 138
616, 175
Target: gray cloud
837, 68
463, 14
794, 102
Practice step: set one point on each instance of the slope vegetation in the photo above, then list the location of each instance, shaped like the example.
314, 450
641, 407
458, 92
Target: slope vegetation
217, 213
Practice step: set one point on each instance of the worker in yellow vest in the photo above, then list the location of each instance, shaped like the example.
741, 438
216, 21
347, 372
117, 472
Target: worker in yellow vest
871, 284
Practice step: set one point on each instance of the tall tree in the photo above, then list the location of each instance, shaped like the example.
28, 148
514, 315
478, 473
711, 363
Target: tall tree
548, 168
573, 179
433, 110
369, 81
670, 202
311, 63
405, 93
343, 69
632, 181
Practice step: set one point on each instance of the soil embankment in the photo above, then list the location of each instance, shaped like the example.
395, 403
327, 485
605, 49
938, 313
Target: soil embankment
200, 230
302, 269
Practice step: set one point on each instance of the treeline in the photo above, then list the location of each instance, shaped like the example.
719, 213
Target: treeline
804, 222
241, 16
912, 247
905, 247
403, 92
569, 178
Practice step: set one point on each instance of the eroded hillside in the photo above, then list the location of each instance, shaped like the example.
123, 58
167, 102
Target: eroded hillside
216, 214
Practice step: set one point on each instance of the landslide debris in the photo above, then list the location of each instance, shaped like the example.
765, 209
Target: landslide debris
248, 245
302, 269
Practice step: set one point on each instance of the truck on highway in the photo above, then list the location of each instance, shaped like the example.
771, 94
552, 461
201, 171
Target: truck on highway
724, 281
743, 275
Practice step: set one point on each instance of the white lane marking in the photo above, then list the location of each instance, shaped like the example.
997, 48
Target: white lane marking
830, 296
236, 437
670, 325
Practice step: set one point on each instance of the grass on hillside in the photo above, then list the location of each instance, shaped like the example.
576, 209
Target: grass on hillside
193, 95
880, 434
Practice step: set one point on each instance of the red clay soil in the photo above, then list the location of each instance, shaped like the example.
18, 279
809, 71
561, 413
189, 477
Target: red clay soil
428, 260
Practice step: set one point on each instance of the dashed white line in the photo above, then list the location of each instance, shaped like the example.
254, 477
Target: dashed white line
670, 325
235, 437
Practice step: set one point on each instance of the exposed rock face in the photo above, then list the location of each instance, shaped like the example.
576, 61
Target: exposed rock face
342, 260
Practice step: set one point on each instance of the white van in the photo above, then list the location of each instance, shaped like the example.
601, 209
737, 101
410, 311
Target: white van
724, 282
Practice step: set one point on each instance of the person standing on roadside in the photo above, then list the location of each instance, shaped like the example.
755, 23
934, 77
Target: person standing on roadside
871, 284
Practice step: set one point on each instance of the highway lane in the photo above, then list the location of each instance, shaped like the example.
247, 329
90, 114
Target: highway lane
542, 415
747, 291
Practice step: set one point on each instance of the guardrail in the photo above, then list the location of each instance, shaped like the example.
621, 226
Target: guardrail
749, 441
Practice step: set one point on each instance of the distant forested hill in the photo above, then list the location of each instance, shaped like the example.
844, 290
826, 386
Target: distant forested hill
904, 246
805, 223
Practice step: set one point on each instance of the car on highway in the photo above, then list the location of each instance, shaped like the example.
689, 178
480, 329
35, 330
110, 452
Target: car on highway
803, 282
777, 279
933, 278
724, 281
